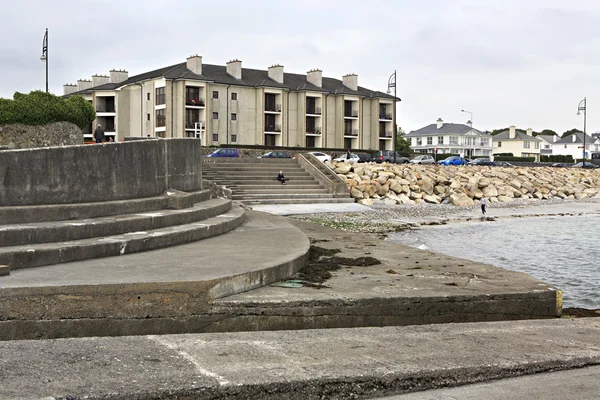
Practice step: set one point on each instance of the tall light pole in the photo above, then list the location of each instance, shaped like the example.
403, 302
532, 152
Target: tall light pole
392, 84
44, 56
582, 107
470, 120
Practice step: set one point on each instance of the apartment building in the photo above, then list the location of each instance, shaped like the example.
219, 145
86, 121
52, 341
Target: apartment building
234, 105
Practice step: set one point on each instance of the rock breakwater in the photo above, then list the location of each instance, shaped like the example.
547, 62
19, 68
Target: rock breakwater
386, 183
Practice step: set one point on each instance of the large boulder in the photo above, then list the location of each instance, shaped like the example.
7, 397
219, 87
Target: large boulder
461, 200
357, 194
490, 191
432, 199
342, 168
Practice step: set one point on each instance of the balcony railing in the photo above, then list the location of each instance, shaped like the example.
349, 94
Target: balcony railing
351, 113
385, 116
273, 107
385, 133
161, 121
351, 132
104, 109
192, 125
314, 111
194, 102
273, 128
315, 131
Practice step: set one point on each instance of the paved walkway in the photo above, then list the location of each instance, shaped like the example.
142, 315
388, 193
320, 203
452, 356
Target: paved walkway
309, 364
296, 209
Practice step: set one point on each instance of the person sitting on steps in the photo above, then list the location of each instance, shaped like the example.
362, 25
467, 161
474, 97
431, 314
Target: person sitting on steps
281, 178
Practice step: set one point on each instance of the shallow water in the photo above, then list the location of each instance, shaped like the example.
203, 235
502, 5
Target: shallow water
562, 251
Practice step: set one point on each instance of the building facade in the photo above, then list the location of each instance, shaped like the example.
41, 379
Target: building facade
518, 143
573, 145
234, 105
449, 138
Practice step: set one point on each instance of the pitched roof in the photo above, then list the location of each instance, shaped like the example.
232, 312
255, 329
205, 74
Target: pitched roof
579, 139
456, 129
505, 136
250, 77
547, 138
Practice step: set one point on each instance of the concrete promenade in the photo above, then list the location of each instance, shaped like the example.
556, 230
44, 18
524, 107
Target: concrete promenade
308, 364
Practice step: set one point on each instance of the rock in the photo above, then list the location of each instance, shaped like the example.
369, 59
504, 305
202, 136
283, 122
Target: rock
357, 194
396, 187
490, 191
370, 190
426, 185
382, 179
461, 200
484, 182
432, 199
366, 202
504, 199
342, 168
404, 199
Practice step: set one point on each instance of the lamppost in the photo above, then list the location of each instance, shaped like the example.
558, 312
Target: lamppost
582, 107
392, 84
470, 120
44, 56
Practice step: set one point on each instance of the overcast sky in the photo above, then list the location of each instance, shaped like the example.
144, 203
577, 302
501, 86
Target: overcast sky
526, 63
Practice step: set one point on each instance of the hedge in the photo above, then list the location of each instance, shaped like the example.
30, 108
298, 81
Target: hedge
557, 158
41, 108
515, 159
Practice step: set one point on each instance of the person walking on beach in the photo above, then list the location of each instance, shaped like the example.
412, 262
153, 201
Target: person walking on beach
483, 204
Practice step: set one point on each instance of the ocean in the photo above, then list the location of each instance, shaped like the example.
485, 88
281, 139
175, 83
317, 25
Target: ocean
563, 251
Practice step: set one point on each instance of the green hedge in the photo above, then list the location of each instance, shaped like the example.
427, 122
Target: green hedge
557, 158
516, 159
41, 108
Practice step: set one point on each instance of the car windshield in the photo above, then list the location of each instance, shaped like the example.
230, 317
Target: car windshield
449, 159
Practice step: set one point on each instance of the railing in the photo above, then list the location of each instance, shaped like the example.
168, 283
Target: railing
385, 116
351, 132
273, 128
314, 111
105, 109
352, 113
161, 121
315, 131
273, 107
192, 125
194, 102
161, 99
385, 133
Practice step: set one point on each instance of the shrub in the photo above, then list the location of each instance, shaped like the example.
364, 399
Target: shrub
516, 159
41, 108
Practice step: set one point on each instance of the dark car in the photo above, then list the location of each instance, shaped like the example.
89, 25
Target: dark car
505, 164
388, 156
559, 165
587, 164
482, 161
224, 152
275, 154
364, 157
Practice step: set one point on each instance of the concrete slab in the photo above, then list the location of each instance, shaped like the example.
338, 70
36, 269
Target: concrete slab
297, 209
310, 364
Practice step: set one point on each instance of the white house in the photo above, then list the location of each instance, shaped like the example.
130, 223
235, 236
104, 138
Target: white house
573, 145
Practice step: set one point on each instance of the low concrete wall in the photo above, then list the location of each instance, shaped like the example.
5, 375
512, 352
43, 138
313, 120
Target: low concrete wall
19, 136
91, 173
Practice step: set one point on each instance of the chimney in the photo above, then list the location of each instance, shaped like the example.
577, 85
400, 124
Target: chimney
83, 84
529, 132
276, 73
470, 123
69, 88
315, 77
118, 76
554, 138
194, 64
350, 81
98, 80
234, 68
440, 122
512, 132
574, 136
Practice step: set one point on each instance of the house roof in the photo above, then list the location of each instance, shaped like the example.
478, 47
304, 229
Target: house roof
250, 77
445, 129
505, 136
579, 139
547, 138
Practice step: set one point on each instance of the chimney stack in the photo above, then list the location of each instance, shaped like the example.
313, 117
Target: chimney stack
276, 73
118, 76
98, 80
234, 68
194, 64
574, 136
69, 88
83, 84
350, 81
529, 132
512, 132
315, 77
440, 123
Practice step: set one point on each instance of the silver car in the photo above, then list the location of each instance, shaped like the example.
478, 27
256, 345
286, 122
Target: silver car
423, 160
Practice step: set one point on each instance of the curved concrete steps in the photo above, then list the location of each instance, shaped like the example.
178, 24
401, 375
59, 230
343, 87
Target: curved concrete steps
40, 254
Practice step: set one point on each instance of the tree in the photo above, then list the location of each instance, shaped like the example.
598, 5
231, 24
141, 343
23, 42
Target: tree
402, 144
546, 132
570, 132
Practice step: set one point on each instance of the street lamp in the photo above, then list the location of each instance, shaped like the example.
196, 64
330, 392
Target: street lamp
44, 56
582, 107
392, 84
470, 120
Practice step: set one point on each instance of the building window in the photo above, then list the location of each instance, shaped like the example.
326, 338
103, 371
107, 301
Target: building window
233, 97
215, 94
499, 144
440, 140
429, 139
192, 96
148, 95
526, 145
215, 137
454, 140
565, 146
419, 141
537, 145
233, 138
215, 115
161, 119
161, 97
234, 117
148, 116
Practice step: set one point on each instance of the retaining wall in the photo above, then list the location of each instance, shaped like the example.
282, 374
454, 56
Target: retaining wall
93, 173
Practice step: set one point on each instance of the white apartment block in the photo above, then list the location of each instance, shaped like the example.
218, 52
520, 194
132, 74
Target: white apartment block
234, 105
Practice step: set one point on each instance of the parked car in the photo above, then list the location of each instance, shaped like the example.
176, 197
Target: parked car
559, 165
482, 161
452, 160
365, 157
275, 154
587, 164
425, 159
224, 152
504, 164
344, 158
388, 156
321, 156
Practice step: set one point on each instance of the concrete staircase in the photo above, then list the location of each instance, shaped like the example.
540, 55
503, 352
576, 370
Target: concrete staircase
253, 181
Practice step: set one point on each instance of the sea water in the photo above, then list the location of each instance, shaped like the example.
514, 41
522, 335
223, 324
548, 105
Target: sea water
563, 251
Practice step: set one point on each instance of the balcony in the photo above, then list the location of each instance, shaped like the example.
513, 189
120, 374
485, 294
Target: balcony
385, 134
351, 114
273, 128
313, 111
313, 131
161, 121
351, 132
105, 109
387, 116
192, 125
276, 108
194, 102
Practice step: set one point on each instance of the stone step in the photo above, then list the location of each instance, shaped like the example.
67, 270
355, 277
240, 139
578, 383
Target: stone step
265, 181
279, 190
253, 168
240, 160
256, 174
305, 196
46, 232
28, 256
273, 185
328, 200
